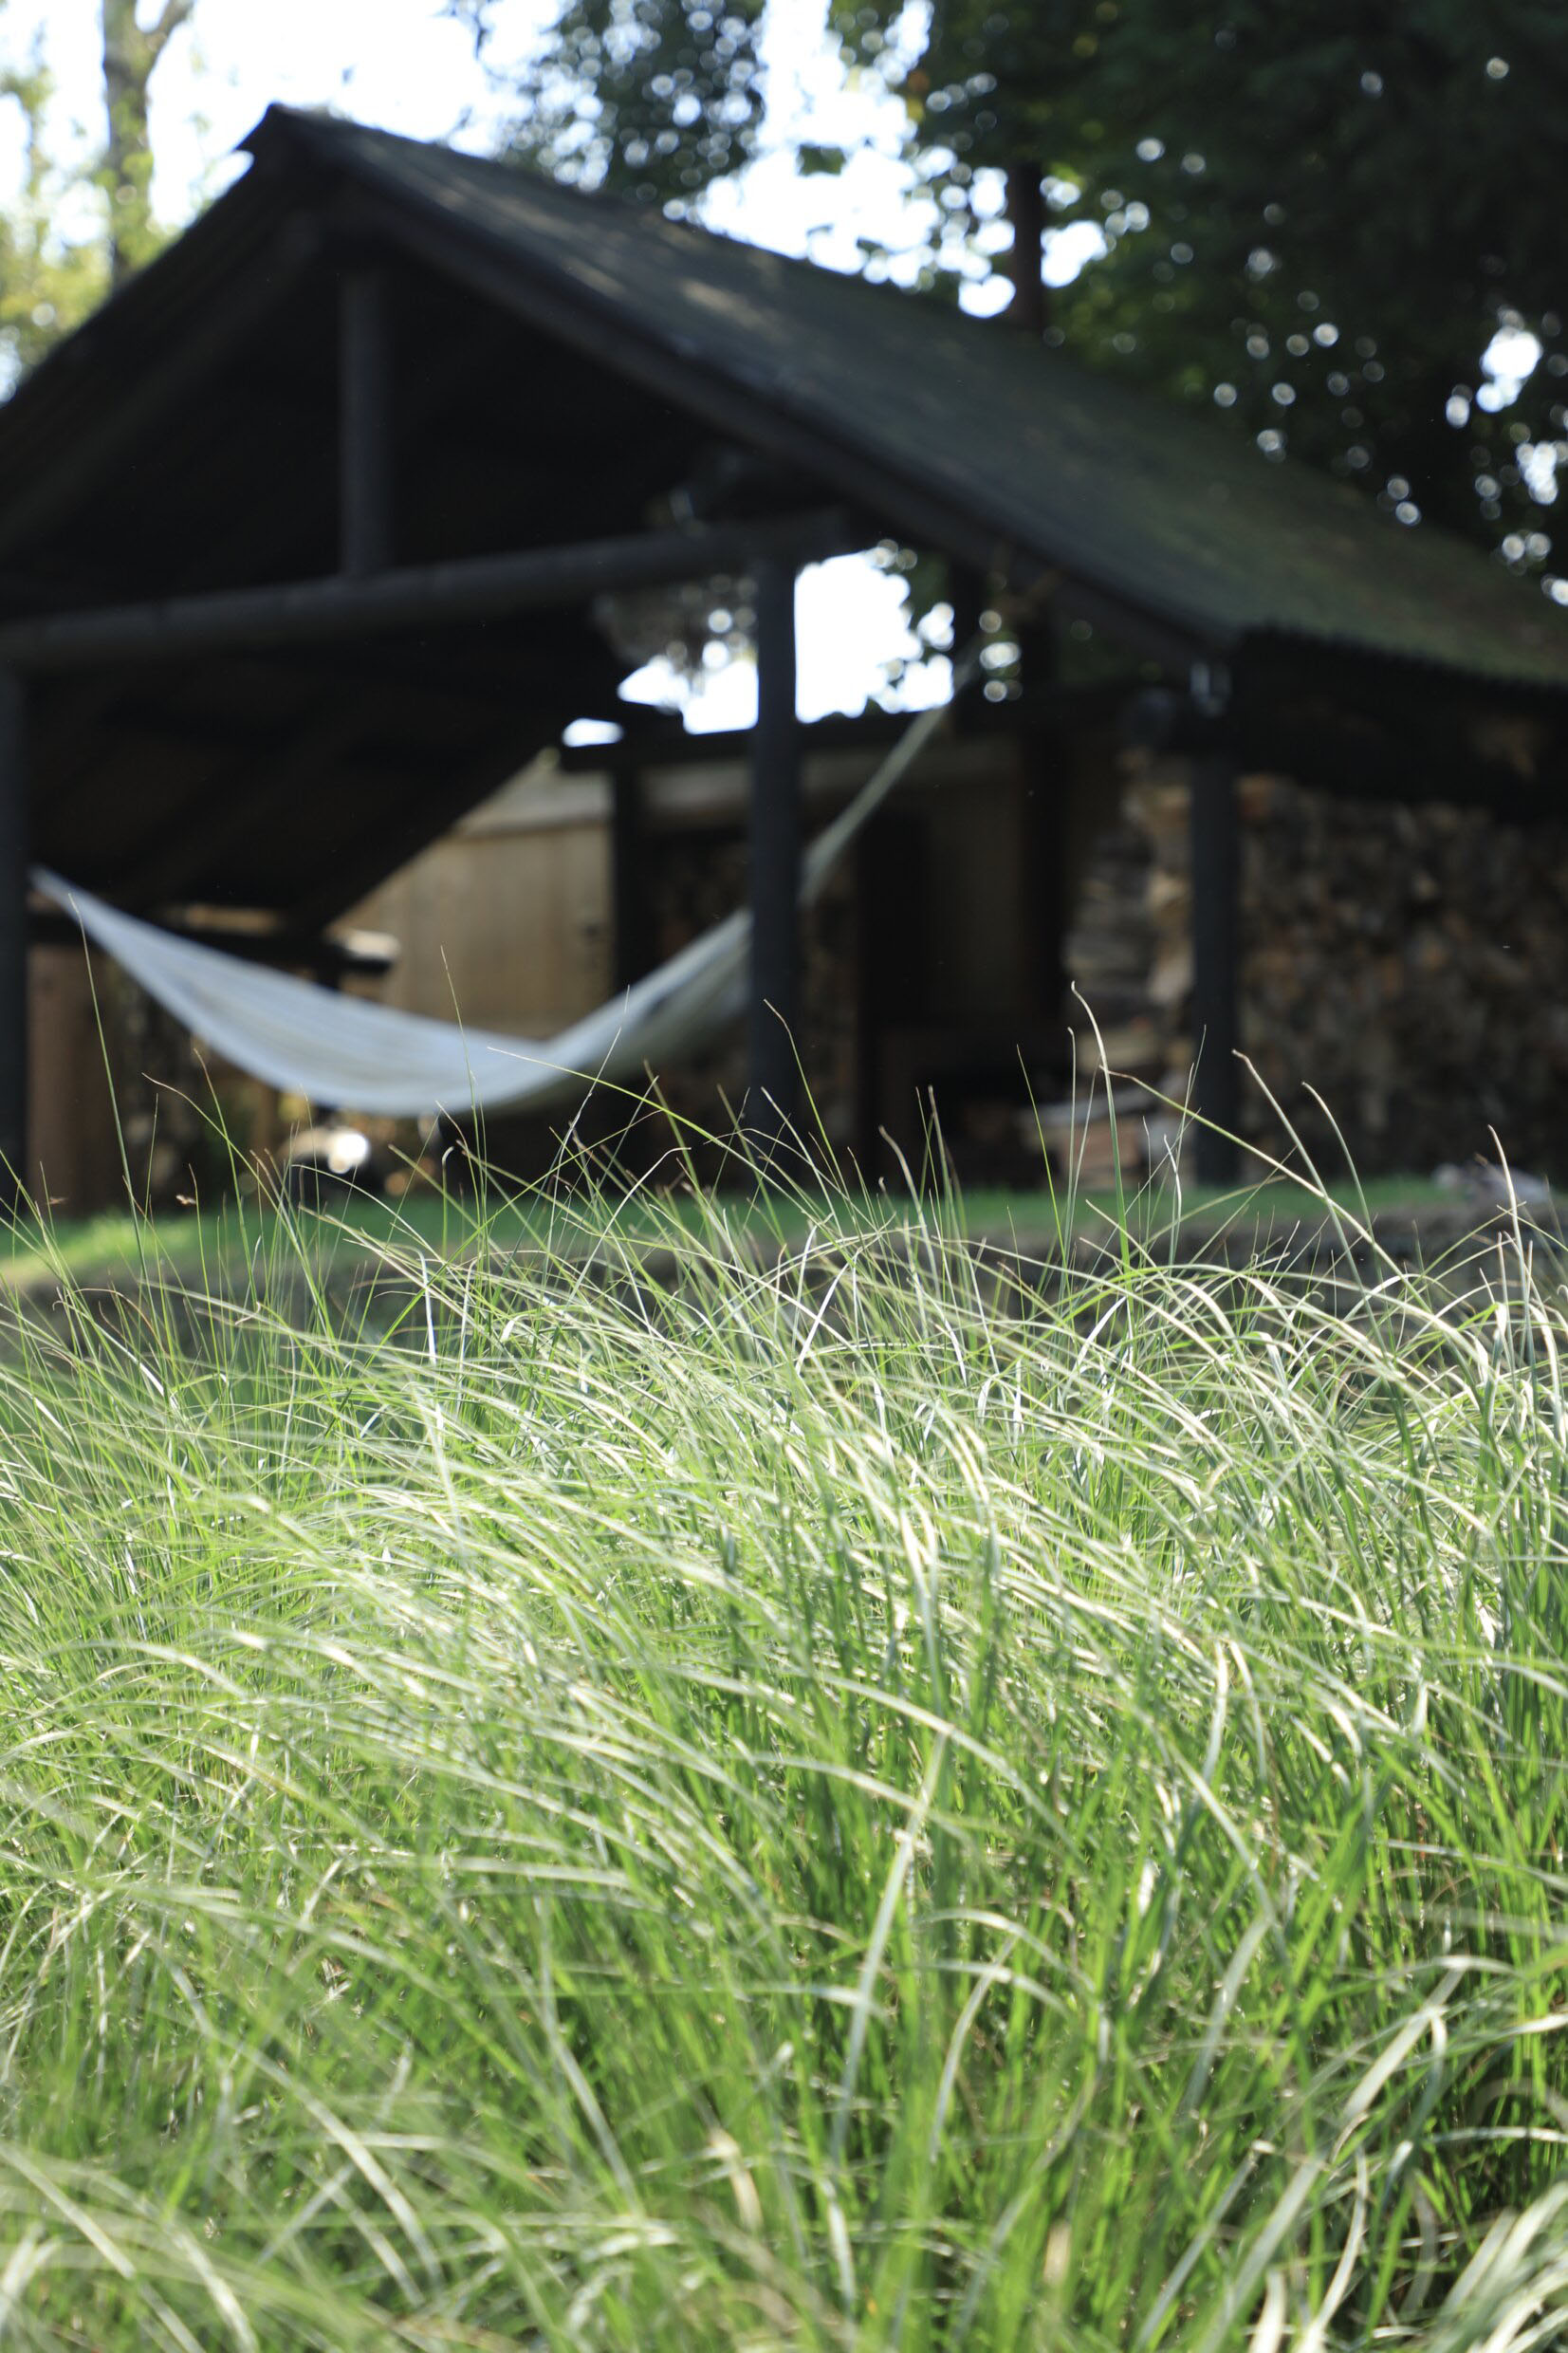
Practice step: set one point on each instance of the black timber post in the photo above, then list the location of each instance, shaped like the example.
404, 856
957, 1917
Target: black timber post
13, 936
1215, 865
775, 862
1046, 754
420, 596
364, 424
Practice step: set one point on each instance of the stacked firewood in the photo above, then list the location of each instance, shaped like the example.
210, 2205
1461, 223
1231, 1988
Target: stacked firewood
1109, 952
1109, 936
1409, 962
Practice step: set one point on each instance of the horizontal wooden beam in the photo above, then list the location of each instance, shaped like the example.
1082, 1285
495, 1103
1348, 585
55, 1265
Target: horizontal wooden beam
758, 417
1349, 762
423, 596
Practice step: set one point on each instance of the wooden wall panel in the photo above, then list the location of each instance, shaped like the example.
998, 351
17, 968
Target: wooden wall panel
506, 930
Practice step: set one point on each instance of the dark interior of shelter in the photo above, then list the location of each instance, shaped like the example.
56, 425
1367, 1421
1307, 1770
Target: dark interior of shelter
316, 534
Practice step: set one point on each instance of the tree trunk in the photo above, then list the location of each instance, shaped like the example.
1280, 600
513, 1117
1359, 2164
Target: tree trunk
1030, 304
131, 53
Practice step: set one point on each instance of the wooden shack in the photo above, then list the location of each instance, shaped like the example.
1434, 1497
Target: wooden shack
305, 538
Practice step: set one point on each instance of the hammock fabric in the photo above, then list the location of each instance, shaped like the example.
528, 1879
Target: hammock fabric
341, 1052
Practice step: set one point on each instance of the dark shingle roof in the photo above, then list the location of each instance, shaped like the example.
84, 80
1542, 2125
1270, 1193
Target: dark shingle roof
1130, 495
558, 363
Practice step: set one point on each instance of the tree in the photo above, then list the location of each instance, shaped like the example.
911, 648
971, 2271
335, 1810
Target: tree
654, 98
47, 284
49, 278
131, 55
1316, 218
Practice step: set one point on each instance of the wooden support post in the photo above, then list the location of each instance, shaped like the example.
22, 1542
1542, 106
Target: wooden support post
364, 425
632, 952
1215, 874
775, 862
14, 1173
1045, 756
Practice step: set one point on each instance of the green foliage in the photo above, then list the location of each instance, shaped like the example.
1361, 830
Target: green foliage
48, 282
1344, 205
53, 271
752, 1801
1318, 216
654, 98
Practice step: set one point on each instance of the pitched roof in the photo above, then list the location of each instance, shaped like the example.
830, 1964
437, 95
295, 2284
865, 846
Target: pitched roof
559, 364
1167, 514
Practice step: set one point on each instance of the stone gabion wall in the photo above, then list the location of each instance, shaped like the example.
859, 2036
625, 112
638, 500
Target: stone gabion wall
1408, 961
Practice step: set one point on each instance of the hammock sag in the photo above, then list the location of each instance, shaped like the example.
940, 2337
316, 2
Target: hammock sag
343, 1051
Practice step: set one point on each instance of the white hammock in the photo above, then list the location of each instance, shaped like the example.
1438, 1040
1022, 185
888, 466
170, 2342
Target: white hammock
340, 1051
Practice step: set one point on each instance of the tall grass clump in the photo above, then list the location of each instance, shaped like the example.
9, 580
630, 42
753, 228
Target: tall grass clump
737, 1798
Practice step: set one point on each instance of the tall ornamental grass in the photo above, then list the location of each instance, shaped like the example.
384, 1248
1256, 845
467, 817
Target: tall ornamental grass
810, 1802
